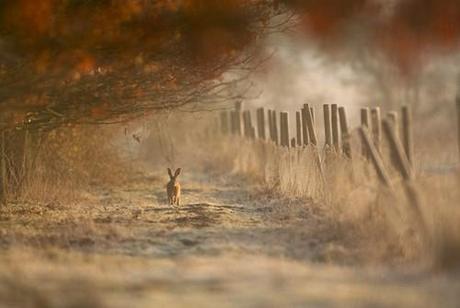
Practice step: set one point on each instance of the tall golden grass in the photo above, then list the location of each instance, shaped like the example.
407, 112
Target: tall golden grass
68, 160
376, 225
372, 224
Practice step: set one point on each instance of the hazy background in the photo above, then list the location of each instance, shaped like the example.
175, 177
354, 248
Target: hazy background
299, 70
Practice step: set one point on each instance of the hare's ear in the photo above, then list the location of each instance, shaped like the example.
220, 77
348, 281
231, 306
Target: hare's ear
170, 173
177, 172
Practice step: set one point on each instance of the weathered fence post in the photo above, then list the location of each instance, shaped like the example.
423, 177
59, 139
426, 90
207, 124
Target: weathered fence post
298, 126
251, 129
284, 129
393, 117
346, 146
458, 124
261, 123
238, 129
314, 140
404, 168
26, 158
376, 127
364, 123
246, 127
236, 119
311, 126
270, 125
224, 122
275, 127
379, 167
365, 117
306, 139
327, 126
399, 158
407, 132
312, 112
3, 168
335, 127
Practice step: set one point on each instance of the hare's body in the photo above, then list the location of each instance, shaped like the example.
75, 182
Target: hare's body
173, 191
173, 188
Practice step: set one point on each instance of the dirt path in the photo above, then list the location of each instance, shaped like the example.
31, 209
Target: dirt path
214, 218
225, 246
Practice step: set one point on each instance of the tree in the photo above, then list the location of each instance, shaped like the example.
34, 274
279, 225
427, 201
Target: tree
100, 61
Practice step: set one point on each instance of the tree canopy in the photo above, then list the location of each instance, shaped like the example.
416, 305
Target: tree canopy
74, 61
402, 30
98, 61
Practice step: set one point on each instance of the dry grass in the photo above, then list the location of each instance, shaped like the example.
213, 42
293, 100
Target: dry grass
70, 160
373, 225
270, 238
46, 280
223, 247
367, 224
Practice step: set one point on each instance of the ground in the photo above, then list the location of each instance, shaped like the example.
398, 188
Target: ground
228, 244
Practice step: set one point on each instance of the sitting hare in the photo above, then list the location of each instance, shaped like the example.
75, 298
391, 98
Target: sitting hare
173, 187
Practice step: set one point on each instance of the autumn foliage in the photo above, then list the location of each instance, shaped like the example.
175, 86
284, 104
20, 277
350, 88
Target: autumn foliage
403, 30
101, 60
77, 34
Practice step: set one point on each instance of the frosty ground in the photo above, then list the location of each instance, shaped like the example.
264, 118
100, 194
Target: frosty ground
229, 244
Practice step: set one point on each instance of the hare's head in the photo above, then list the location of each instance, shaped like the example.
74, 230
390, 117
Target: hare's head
176, 174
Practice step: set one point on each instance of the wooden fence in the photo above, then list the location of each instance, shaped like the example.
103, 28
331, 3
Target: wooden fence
273, 126
394, 130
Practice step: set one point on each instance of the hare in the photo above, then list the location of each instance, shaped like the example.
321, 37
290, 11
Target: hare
173, 188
